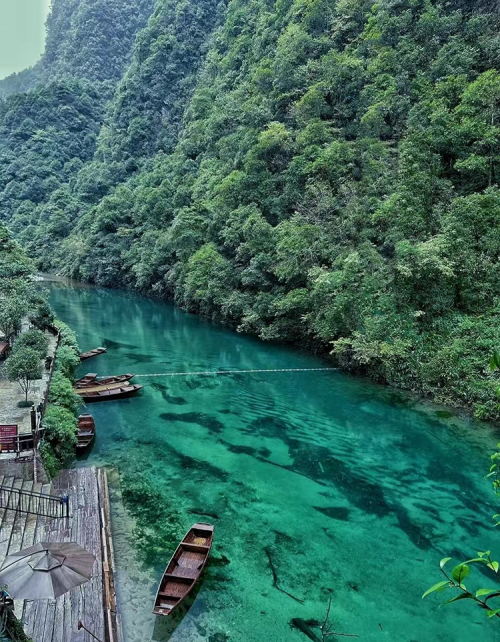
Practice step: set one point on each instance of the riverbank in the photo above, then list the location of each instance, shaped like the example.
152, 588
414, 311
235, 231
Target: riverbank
438, 400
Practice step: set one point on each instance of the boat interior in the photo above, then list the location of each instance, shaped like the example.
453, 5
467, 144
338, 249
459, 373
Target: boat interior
184, 568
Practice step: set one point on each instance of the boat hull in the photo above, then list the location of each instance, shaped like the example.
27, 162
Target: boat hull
109, 394
86, 431
184, 568
92, 353
86, 382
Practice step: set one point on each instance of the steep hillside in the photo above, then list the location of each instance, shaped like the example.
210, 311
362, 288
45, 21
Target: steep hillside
48, 132
145, 115
332, 180
46, 135
86, 39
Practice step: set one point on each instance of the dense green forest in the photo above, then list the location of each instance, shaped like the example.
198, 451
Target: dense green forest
316, 171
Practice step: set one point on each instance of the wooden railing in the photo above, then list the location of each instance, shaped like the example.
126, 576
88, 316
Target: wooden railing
26, 501
19, 444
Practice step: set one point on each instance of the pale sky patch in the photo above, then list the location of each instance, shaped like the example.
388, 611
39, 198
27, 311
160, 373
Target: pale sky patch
22, 33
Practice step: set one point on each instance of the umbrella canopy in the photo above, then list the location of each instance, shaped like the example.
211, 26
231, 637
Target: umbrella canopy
46, 570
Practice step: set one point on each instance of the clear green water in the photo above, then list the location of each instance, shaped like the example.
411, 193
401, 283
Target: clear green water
356, 491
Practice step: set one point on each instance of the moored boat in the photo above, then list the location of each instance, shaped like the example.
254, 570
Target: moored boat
87, 380
86, 431
105, 381
116, 391
96, 387
184, 568
92, 353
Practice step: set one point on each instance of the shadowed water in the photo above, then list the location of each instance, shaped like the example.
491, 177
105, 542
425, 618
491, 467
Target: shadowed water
349, 490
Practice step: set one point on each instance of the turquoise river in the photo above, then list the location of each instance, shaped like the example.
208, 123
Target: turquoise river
347, 490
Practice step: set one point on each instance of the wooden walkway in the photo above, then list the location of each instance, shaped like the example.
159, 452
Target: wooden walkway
92, 603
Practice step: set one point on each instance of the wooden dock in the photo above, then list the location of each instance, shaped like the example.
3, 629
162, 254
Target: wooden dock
93, 603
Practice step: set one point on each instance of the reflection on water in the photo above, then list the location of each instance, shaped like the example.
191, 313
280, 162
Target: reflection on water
353, 491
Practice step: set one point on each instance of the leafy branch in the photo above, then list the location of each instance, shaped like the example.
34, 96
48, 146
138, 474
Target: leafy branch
461, 571
456, 581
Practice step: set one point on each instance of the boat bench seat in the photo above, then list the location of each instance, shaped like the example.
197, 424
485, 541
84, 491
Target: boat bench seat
194, 547
167, 596
177, 578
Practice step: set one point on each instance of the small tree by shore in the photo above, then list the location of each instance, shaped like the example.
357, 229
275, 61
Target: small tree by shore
35, 339
24, 366
12, 311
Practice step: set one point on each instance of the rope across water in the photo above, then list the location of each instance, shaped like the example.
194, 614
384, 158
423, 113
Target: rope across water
229, 372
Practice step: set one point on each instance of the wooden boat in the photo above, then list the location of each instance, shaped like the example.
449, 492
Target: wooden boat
86, 380
86, 431
184, 568
97, 387
106, 381
106, 393
92, 353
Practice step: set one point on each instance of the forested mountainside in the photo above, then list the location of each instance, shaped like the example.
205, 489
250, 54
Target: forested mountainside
46, 136
312, 171
86, 39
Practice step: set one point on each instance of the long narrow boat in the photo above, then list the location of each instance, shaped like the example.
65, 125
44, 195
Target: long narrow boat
92, 353
86, 380
184, 568
96, 387
86, 431
106, 381
108, 393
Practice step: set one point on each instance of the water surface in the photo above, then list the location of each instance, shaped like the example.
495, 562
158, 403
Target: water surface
352, 491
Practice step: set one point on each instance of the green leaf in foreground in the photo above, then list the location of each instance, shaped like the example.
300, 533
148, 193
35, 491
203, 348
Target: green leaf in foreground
440, 586
462, 596
460, 572
482, 592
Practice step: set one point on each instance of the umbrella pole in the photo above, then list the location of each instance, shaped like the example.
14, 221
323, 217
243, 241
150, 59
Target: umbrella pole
81, 626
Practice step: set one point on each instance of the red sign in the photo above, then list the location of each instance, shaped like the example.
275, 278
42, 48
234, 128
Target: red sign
8, 436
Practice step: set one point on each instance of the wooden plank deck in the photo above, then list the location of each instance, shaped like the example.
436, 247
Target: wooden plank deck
57, 620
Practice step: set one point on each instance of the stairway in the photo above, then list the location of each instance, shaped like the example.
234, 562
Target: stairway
20, 530
57, 620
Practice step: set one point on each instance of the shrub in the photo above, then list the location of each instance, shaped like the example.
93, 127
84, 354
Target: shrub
35, 339
59, 442
61, 394
68, 337
42, 316
66, 361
